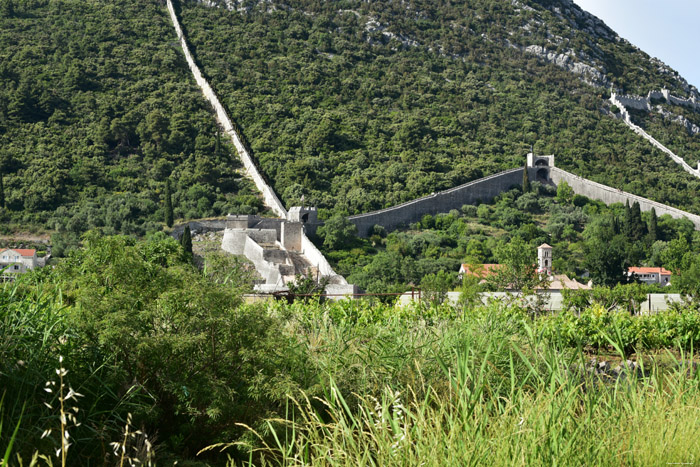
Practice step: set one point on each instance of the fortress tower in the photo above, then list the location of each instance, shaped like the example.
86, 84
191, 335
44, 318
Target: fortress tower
539, 167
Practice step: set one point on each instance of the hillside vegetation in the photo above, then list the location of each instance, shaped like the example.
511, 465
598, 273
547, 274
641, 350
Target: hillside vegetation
97, 110
358, 106
586, 236
354, 106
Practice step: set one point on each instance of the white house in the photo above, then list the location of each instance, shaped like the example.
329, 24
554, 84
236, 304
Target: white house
17, 261
650, 275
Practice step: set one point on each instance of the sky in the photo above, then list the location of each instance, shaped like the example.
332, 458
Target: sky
666, 29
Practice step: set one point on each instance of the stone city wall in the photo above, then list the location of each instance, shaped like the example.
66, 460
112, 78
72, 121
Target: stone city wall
316, 258
615, 100
484, 189
269, 196
608, 195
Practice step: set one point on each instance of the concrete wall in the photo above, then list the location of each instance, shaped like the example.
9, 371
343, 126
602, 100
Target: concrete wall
234, 241
269, 196
268, 236
554, 300
610, 195
209, 225
256, 254
484, 189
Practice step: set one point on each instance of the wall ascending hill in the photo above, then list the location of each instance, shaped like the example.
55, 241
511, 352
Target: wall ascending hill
484, 189
609, 195
269, 196
487, 188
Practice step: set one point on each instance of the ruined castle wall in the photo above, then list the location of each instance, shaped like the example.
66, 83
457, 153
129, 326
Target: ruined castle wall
269, 196
484, 189
609, 195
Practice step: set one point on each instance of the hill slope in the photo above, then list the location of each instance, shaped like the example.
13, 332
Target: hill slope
97, 109
353, 105
358, 106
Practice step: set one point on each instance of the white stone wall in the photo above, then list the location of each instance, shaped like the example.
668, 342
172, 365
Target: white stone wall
270, 198
316, 258
615, 100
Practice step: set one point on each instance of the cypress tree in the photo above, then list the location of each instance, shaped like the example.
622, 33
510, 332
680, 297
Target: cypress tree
638, 226
526, 180
186, 242
2, 193
169, 216
653, 226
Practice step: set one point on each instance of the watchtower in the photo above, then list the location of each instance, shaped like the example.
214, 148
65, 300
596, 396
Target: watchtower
539, 166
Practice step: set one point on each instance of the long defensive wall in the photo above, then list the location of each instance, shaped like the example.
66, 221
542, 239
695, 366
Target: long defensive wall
540, 168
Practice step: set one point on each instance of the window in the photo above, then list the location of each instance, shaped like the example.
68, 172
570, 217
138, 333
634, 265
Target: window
16, 267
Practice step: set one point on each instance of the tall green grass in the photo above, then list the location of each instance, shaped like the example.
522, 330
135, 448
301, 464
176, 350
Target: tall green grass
506, 395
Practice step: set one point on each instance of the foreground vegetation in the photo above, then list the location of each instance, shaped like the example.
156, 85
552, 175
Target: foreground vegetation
151, 343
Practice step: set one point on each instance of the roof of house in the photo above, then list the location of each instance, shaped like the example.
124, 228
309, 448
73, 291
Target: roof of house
647, 270
27, 253
562, 281
544, 245
481, 270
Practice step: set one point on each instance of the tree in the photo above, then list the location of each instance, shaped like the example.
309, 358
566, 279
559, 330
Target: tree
633, 226
168, 204
518, 270
653, 227
677, 256
435, 287
2, 192
526, 180
7, 8
337, 232
565, 194
186, 242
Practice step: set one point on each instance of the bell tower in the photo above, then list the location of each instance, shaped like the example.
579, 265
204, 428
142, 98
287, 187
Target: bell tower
544, 258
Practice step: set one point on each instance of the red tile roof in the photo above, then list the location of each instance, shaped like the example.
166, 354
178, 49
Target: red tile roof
646, 270
24, 252
482, 270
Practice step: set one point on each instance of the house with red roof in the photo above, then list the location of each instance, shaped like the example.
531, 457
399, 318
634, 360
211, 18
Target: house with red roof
482, 271
650, 275
17, 261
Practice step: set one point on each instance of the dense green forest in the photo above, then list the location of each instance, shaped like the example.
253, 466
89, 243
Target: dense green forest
358, 106
586, 236
97, 111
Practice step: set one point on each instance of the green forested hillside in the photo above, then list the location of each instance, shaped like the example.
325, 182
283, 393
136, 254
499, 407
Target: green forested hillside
97, 109
353, 105
358, 106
